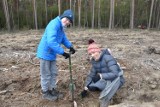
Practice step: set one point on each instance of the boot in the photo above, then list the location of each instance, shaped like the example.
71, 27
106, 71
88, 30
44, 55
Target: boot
56, 93
47, 95
104, 104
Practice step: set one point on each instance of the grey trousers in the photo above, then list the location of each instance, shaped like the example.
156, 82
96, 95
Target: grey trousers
48, 74
110, 89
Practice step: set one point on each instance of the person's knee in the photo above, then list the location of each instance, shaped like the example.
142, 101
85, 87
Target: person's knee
122, 81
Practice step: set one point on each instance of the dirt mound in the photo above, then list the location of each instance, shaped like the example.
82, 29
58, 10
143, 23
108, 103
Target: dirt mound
137, 52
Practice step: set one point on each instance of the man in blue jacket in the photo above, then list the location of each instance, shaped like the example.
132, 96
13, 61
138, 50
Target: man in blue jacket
49, 47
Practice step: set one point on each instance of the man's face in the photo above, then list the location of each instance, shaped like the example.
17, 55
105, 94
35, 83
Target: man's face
65, 22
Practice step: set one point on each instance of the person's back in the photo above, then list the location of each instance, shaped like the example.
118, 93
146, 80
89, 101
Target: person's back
108, 52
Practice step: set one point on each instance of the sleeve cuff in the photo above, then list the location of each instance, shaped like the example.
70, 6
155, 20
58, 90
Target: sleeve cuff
85, 88
100, 76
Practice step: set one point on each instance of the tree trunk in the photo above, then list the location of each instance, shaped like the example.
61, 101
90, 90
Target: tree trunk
157, 17
7, 16
17, 3
99, 14
119, 19
59, 7
151, 11
70, 4
86, 15
113, 13
106, 14
93, 14
74, 13
25, 7
35, 13
111, 21
154, 14
79, 13
132, 15
12, 15
46, 10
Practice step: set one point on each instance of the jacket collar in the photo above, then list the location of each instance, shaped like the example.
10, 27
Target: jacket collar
60, 22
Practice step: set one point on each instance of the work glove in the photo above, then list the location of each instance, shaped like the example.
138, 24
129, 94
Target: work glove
96, 78
72, 50
66, 55
84, 93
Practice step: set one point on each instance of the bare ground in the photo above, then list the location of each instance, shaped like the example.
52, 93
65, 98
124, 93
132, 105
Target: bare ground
137, 51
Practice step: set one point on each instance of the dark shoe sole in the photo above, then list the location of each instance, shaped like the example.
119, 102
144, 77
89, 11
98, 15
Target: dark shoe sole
50, 99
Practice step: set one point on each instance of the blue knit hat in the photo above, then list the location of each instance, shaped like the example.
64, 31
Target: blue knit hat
68, 14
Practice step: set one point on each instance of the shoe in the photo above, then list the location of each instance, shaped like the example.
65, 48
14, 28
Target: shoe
56, 93
47, 95
104, 104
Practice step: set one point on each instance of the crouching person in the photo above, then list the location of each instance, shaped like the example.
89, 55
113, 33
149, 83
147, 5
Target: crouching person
105, 75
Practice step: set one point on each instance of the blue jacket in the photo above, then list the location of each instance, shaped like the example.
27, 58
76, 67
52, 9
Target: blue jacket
107, 66
51, 41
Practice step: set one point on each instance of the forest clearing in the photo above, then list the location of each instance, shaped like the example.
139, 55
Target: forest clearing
137, 51
129, 28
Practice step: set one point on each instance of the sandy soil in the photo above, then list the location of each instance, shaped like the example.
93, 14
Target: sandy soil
137, 51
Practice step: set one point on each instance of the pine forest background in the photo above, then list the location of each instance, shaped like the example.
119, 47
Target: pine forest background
35, 14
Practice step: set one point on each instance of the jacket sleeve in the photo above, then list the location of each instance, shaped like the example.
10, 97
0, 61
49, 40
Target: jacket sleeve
113, 68
51, 38
66, 42
90, 76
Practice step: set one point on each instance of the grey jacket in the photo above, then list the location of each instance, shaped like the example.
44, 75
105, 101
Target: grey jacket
108, 67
